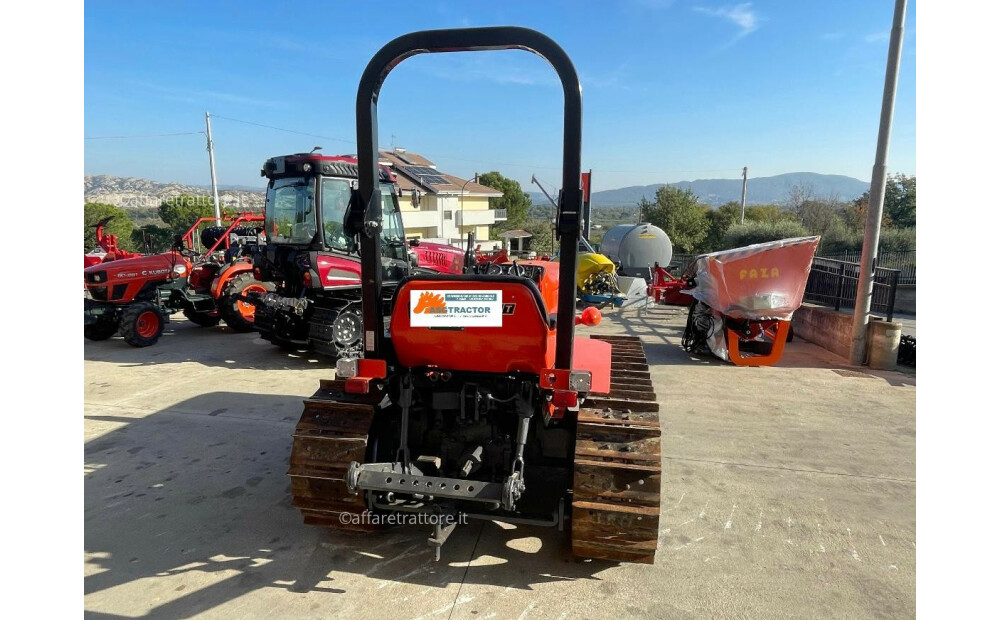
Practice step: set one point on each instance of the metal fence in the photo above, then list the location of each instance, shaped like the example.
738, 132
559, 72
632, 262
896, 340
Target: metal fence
835, 283
905, 262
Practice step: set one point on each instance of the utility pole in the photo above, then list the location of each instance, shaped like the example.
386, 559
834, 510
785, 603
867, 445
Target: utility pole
743, 202
876, 196
556, 213
211, 164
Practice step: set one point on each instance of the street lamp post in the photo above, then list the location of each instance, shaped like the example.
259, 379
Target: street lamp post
461, 201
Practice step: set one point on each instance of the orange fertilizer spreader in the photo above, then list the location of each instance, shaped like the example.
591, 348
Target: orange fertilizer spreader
747, 297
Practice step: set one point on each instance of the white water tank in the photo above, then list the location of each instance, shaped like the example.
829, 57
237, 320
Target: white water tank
637, 247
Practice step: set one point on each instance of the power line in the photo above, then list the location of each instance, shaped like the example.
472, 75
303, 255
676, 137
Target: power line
435, 156
301, 133
466, 159
144, 135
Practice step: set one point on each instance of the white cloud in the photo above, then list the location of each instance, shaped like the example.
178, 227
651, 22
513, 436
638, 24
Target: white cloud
876, 37
742, 15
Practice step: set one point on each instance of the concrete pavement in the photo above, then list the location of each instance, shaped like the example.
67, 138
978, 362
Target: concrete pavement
787, 491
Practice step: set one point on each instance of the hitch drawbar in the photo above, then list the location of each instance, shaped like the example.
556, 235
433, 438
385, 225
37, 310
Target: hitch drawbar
392, 478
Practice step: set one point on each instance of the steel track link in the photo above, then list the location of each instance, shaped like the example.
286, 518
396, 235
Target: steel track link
616, 471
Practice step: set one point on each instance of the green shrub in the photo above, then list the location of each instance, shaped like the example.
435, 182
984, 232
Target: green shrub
761, 232
897, 240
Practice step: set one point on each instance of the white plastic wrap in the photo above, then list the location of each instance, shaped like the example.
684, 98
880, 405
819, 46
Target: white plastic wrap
760, 282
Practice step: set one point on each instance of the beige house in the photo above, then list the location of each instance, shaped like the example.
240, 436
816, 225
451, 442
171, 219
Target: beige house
440, 207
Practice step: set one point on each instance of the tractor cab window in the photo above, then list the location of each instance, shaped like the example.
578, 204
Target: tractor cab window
288, 211
336, 197
392, 222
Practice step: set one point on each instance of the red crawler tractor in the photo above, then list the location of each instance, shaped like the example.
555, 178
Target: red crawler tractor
135, 296
476, 399
314, 266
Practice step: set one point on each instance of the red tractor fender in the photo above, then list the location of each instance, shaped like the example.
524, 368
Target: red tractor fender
226, 275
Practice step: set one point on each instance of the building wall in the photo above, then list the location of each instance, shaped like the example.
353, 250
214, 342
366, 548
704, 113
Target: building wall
441, 211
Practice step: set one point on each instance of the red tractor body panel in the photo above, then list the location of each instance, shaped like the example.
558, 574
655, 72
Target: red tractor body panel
524, 343
121, 280
439, 257
337, 272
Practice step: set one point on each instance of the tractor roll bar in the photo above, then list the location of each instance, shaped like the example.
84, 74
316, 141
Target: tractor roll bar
365, 214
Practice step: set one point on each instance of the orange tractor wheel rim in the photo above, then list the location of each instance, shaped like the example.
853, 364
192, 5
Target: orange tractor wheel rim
147, 323
246, 309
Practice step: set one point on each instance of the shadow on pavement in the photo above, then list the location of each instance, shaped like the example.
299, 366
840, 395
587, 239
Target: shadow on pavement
180, 343
186, 511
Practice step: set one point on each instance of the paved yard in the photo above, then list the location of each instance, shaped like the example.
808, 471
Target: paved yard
787, 491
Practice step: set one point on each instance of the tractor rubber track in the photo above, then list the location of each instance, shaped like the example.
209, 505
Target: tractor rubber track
616, 472
332, 432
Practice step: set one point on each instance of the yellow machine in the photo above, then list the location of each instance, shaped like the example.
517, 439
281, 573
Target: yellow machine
592, 264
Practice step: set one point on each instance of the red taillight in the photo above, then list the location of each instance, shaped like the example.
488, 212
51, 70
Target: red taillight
307, 279
357, 385
564, 398
258, 274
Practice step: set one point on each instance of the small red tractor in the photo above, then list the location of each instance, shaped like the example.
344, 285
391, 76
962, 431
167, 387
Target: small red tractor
313, 262
134, 296
474, 399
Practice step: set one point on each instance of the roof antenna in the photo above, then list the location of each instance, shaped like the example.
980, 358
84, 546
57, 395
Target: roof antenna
315, 148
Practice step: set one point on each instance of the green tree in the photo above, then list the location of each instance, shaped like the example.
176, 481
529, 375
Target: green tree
180, 213
680, 215
820, 216
752, 232
900, 208
721, 220
160, 238
769, 213
514, 199
120, 226
541, 235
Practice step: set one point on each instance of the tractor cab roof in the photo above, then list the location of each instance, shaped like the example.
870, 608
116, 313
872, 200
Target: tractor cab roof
307, 164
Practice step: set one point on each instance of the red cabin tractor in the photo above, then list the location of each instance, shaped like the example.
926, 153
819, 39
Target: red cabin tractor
314, 264
135, 296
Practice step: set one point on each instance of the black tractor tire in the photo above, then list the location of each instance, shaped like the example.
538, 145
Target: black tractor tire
141, 324
212, 234
201, 319
101, 330
238, 315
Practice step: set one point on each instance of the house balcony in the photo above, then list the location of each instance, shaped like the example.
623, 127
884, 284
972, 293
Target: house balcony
486, 217
421, 219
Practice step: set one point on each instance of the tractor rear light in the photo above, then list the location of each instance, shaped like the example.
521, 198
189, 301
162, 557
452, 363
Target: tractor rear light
555, 379
357, 385
376, 369
307, 279
565, 399
579, 380
258, 274
347, 368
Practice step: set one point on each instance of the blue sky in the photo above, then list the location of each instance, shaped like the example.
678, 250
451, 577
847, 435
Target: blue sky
672, 90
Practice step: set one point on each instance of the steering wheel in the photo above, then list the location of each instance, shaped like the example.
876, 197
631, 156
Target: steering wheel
495, 270
516, 270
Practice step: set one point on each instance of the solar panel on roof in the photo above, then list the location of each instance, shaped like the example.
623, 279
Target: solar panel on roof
427, 174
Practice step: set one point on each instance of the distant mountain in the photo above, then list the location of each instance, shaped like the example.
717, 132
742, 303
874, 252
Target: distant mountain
134, 193
760, 190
